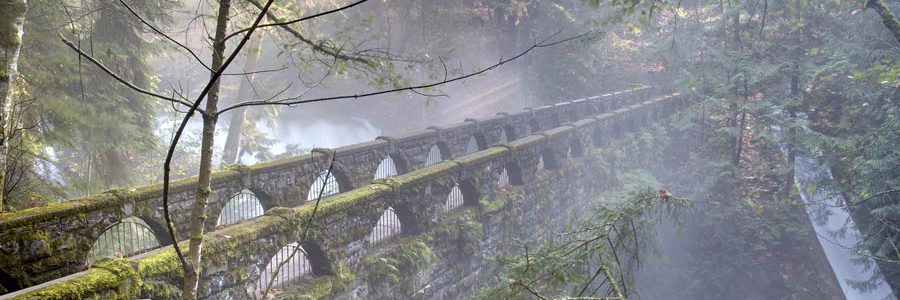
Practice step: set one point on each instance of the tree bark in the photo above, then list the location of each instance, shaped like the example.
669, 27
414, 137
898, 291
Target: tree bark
887, 17
233, 141
198, 213
12, 20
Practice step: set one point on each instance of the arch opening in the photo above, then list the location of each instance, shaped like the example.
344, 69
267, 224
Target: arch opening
598, 135
128, 237
435, 155
240, 207
386, 168
326, 183
576, 149
388, 225
455, 199
290, 264
476, 143
548, 160
462, 193
503, 179
509, 134
8, 283
514, 173
533, 126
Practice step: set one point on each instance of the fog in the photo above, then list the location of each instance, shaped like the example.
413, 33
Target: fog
786, 151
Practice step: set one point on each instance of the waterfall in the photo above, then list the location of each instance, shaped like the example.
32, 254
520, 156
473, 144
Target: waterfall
829, 216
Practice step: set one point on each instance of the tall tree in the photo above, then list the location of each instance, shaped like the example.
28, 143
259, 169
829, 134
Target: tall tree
245, 91
12, 19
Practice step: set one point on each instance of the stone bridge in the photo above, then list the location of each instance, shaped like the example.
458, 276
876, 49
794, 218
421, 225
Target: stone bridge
405, 216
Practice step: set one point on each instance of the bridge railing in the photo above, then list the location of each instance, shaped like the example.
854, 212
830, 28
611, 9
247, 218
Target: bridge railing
45, 243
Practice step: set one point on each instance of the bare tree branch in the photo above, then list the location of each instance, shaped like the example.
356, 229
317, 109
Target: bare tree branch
316, 46
182, 46
297, 100
286, 23
167, 166
122, 80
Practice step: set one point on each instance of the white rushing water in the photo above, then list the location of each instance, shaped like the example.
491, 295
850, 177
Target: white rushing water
829, 216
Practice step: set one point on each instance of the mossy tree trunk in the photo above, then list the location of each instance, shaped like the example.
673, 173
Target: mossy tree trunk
198, 213
12, 19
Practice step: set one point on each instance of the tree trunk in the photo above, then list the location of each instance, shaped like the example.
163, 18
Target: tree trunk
790, 133
233, 141
12, 19
198, 213
887, 17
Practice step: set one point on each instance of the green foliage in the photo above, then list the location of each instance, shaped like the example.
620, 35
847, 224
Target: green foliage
595, 257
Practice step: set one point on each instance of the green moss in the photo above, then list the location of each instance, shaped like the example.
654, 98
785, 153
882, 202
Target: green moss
503, 198
162, 263
463, 229
398, 262
243, 169
107, 279
10, 11
322, 287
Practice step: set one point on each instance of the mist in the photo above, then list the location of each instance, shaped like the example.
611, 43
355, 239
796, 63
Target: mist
739, 149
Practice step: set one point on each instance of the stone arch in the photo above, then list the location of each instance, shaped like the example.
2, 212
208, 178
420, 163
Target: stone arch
8, 283
503, 178
549, 159
127, 237
477, 142
534, 125
161, 232
388, 225
515, 173
318, 259
241, 206
325, 184
576, 148
462, 193
438, 153
509, 132
598, 135
334, 181
295, 264
390, 165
